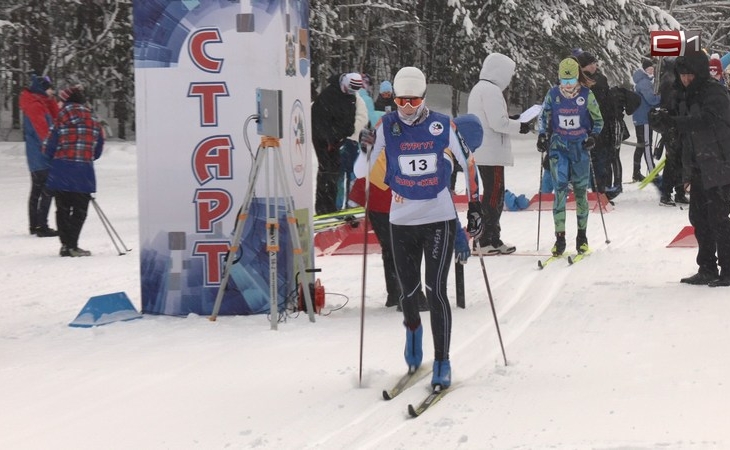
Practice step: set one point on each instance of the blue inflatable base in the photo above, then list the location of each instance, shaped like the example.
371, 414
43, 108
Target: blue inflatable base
104, 309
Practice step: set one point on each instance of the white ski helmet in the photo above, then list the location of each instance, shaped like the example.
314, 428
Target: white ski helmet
409, 82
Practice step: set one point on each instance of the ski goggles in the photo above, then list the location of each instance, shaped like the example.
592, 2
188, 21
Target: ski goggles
568, 81
414, 102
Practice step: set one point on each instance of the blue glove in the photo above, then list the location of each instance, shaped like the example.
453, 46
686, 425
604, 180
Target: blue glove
461, 244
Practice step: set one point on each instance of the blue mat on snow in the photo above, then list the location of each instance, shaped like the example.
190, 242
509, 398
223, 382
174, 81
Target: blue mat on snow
104, 309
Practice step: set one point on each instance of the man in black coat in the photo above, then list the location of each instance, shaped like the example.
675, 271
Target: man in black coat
703, 124
612, 102
670, 143
333, 120
600, 154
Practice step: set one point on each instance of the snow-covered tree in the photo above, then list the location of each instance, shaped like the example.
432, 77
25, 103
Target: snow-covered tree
72, 41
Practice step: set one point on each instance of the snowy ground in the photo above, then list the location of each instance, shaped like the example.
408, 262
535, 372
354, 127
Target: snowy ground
612, 353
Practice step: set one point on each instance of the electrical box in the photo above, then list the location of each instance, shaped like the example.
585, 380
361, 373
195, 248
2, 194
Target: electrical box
268, 107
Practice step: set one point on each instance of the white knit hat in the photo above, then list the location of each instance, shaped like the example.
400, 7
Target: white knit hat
351, 82
409, 82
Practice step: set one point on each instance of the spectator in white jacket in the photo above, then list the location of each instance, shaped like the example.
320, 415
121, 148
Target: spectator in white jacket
487, 102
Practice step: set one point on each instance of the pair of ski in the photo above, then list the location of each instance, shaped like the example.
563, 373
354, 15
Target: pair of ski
409, 380
572, 259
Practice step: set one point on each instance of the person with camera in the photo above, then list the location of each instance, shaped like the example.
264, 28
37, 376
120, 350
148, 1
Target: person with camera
74, 143
420, 148
569, 126
702, 120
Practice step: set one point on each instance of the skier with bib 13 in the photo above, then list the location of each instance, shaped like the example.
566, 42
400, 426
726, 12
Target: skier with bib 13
419, 147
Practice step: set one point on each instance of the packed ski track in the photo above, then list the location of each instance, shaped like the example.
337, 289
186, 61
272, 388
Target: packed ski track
609, 353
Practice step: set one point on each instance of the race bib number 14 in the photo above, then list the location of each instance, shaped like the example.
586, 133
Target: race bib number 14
569, 122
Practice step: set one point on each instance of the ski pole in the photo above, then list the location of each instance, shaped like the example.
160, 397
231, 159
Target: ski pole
539, 203
598, 197
491, 302
109, 228
366, 223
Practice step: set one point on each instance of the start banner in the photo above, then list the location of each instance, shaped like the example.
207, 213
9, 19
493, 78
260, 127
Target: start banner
198, 66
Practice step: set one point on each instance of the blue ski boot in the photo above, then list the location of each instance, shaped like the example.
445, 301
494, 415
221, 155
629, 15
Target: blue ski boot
441, 374
414, 348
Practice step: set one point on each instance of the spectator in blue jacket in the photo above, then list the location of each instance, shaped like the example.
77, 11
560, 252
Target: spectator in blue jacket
644, 86
75, 142
39, 110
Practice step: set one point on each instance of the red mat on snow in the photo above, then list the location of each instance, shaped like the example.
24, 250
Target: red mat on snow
547, 202
345, 239
686, 238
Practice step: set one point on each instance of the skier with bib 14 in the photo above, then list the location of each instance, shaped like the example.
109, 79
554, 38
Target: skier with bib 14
568, 128
420, 147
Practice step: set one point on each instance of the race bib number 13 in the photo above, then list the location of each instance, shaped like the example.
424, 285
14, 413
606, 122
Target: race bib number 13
417, 165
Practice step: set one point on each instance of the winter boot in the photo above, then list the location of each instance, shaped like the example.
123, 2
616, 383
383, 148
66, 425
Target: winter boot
441, 374
581, 242
559, 247
64, 251
497, 248
666, 200
414, 348
700, 278
45, 232
681, 198
723, 281
76, 252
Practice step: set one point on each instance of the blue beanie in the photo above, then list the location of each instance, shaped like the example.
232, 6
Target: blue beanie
40, 84
385, 86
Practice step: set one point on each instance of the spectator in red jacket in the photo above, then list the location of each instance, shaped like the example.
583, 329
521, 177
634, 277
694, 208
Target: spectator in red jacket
39, 110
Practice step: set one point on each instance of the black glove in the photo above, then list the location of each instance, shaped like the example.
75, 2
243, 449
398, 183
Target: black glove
590, 142
658, 151
515, 117
660, 120
524, 128
543, 143
475, 220
367, 137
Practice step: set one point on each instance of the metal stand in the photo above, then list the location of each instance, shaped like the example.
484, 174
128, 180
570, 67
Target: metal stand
268, 153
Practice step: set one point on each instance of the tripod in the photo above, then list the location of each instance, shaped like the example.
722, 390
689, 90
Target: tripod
268, 153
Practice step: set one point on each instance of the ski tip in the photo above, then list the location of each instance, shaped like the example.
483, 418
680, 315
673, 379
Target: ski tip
412, 411
539, 265
570, 260
386, 395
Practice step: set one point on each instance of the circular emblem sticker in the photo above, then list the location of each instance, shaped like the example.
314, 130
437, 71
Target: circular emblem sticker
580, 101
436, 129
298, 153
